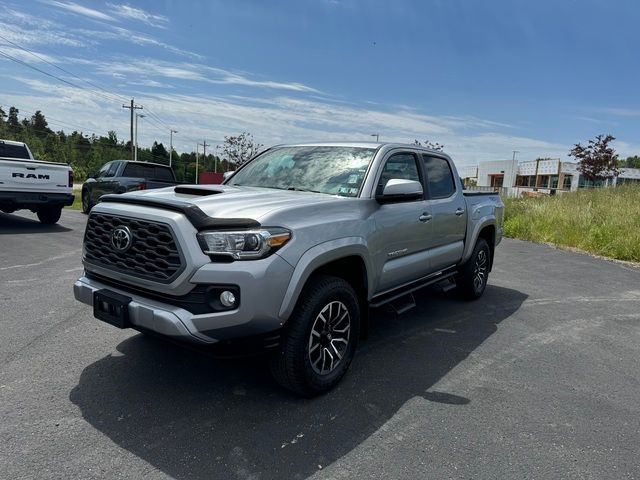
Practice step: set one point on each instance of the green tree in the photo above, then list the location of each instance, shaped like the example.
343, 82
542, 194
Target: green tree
13, 121
3, 123
630, 162
159, 153
39, 125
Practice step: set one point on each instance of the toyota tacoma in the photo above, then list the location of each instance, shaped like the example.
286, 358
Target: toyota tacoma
290, 252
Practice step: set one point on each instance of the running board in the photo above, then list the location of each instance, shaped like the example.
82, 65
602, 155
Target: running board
446, 284
397, 293
403, 304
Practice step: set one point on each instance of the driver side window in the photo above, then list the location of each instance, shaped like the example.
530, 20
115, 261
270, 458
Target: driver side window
399, 165
103, 171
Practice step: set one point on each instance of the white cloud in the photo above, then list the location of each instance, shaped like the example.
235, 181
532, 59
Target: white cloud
192, 72
133, 13
79, 10
27, 30
127, 35
149, 83
277, 120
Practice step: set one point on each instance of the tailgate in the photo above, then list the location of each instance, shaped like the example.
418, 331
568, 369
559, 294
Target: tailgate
33, 176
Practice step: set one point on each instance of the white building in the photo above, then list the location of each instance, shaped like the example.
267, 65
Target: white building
548, 176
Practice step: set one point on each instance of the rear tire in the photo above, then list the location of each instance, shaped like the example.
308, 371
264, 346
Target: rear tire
49, 215
319, 340
473, 275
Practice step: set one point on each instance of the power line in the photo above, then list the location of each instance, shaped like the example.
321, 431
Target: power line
164, 126
21, 62
107, 96
30, 52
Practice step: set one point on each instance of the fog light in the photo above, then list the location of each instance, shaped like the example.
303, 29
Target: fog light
227, 298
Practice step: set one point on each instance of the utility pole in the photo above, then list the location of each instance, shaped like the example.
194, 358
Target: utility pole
135, 151
204, 152
171, 132
197, 148
133, 108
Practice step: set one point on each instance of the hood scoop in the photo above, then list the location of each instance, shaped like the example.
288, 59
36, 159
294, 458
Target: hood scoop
202, 192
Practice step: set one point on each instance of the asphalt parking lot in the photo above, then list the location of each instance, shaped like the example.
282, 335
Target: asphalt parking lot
538, 379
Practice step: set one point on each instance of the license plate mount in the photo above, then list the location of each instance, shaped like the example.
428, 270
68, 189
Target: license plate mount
112, 308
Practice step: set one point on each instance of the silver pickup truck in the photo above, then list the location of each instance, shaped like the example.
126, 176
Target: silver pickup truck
290, 252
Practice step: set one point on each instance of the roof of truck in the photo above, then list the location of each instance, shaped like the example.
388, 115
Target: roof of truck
12, 142
375, 145
142, 163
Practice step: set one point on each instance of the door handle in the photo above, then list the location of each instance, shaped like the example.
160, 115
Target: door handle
459, 211
425, 217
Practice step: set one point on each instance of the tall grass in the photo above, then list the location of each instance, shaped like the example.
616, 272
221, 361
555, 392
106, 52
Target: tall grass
603, 221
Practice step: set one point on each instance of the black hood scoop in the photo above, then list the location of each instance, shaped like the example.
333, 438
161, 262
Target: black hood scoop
202, 192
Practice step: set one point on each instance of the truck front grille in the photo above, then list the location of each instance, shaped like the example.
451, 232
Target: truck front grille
153, 252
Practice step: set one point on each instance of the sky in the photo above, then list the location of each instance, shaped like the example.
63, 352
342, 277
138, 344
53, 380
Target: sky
484, 78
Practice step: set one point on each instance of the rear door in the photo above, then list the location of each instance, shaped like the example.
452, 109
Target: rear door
447, 207
33, 176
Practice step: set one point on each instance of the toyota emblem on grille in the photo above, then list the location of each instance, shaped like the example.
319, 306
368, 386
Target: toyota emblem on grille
121, 239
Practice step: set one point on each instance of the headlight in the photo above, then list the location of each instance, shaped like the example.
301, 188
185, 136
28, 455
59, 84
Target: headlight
243, 244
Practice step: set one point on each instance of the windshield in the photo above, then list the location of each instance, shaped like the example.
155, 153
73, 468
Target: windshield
332, 170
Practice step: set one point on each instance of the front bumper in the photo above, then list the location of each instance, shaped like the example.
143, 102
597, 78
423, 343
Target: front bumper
262, 285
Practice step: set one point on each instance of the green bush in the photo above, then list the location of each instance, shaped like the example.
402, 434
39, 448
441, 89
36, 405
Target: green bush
603, 221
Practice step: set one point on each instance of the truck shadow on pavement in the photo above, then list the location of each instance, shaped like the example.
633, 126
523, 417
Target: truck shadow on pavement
12, 224
194, 417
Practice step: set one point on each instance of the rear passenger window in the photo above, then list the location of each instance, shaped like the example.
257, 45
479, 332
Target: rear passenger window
139, 170
439, 177
400, 165
164, 173
13, 151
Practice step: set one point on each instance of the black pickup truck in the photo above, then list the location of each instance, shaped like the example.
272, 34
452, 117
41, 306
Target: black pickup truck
121, 176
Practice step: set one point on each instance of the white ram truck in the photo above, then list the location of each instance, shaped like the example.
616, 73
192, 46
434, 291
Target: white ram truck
25, 183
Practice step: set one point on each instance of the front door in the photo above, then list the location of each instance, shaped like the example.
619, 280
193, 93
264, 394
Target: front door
105, 181
399, 250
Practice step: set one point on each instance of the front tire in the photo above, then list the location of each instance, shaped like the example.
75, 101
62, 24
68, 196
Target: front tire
49, 215
319, 340
86, 202
473, 275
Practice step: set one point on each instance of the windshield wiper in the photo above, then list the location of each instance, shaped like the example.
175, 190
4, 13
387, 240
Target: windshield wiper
303, 190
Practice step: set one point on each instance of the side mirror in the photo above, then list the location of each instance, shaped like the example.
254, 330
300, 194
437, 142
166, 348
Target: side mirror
226, 175
400, 190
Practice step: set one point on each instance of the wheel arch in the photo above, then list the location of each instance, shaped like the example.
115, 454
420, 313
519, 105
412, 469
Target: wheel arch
343, 258
484, 228
488, 233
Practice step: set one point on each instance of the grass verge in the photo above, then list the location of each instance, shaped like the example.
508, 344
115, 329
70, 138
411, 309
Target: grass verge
602, 221
77, 201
